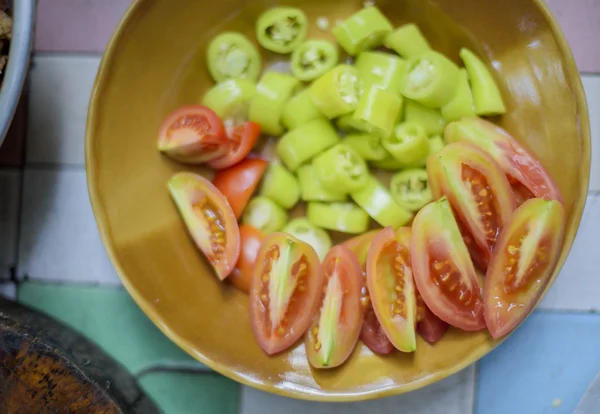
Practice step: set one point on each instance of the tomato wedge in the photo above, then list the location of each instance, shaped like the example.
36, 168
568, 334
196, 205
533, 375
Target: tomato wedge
193, 134
371, 334
336, 325
285, 291
250, 239
442, 269
478, 192
209, 220
522, 263
391, 286
242, 139
430, 327
239, 182
516, 162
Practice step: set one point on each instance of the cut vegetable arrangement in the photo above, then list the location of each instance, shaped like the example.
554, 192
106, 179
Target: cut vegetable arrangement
376, 135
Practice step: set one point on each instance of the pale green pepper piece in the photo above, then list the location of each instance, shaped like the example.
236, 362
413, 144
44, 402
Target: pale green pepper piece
410, 189
341, 169
407, 41
430, 119
230, 55
280, 185
230, 99
363, 30
389, 163
347, 123
376, 200
486, 94
266, 106
377, 111
281, 29
311, 188
342, 217
366, 145
382, 70
336, 92
313, 58
299, 110
435, 144
265, 215
408, 144
304, 230
461, 104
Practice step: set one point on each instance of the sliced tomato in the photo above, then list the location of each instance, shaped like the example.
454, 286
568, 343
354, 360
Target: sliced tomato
429, 326
442, 269
193, 134
522, 264
478, 192
250, 239
239, 182
480, 257
209, 219
242, 139
360, 245
516, 162
391, 286
336, 325
522, 193
285, 291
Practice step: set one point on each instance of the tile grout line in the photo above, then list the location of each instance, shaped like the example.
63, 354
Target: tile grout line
67, 54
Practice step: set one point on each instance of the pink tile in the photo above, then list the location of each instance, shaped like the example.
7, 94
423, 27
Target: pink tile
76, 25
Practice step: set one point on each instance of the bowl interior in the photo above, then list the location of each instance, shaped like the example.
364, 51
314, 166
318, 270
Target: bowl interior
156, 62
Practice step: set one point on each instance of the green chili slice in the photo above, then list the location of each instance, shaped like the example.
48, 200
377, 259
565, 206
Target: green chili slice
408, 144
410, 189
382, 70
366, 145
230, 100
347, 123
486, 94
343, 217
376, 200
304, 230
299, 110
231, 55
435, 144
303, 143
430, 119
461, 104
311, 188
336, 93
281, 29
377, 111
313, 58
407, 41
264, 214
431, 79
280, 185
341, 169
266, 106
389, 163
363, 30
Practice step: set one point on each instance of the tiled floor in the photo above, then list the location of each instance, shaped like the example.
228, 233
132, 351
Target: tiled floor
48, 237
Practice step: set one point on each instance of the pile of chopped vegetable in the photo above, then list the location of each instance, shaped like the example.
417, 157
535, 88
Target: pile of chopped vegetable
390, 147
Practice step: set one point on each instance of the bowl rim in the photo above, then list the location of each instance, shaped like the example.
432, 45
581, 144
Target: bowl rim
572, 73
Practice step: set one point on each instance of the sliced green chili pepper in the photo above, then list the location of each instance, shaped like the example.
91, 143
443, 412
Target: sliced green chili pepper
430, 119
408, 144
336, 92
311, 188
280, 185
299, 110
347, 123
344, 217
461, 104
377, 111
410, 189
281, 29
304, 230
230, 99
266, 106
367, 146
363, 30
341, 169
264, 214
230, 55
486, 95
381, 69
431, 79
313, 58
389, 163
376, 200
303, 143
435, 144
407, 41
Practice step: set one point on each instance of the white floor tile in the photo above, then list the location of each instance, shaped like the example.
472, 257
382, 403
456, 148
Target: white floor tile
453, 395
59, 238
578, 285
10, 183
591, 84
58, 102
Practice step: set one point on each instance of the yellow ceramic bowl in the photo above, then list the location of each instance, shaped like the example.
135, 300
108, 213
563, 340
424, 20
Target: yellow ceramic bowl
155, 62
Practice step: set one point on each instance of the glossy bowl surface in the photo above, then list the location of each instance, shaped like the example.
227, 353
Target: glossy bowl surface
155, 62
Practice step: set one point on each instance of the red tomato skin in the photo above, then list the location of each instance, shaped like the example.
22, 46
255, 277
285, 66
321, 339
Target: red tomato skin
248, 135
250, 240
431, 328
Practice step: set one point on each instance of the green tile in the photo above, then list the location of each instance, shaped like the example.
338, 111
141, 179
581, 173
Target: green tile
185, 393
108, 316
